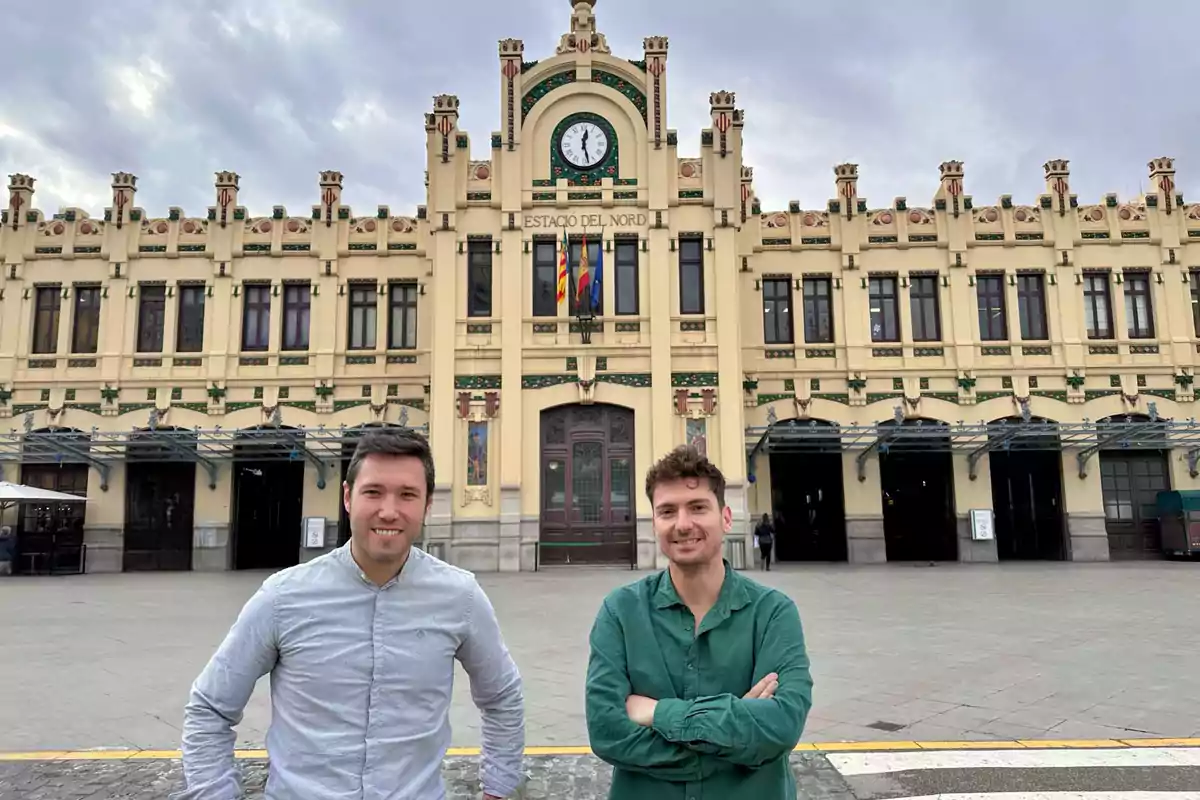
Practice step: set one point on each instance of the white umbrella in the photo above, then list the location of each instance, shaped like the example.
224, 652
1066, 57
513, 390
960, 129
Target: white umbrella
13, 493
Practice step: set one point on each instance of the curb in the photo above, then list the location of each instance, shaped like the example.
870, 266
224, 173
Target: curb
582, 750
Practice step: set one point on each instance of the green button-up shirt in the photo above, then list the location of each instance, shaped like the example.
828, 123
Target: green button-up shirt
707, 742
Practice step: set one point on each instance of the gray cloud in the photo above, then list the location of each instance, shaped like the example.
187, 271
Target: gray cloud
281, 89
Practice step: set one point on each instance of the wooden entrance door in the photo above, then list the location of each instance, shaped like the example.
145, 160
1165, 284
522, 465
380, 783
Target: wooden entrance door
587, 514
1130, 483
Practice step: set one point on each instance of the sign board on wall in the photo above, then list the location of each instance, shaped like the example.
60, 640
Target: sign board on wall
983, 524
314, 532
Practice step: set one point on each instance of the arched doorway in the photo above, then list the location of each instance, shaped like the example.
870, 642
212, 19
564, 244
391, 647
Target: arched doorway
160, 497
916, 477
587, 486
807, 498
1026, 473
1132, 473
268, 497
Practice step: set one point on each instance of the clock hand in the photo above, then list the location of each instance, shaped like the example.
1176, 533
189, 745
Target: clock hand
583, 141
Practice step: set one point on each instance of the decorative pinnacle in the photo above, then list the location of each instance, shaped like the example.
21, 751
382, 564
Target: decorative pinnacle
125, 180
511, 47
952, 169
1163, 164
655, 44
228, 179
20, 181
722, 99
445, 103
846, 171
1056, 166
331, 178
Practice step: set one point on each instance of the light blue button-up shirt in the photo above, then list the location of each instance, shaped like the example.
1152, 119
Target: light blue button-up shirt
361, 682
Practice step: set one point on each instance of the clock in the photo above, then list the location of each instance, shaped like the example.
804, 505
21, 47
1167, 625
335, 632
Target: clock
583, 145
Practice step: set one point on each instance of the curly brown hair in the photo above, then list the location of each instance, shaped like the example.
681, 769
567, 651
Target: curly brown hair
686, 462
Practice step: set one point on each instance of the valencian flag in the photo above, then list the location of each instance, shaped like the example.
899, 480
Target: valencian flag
584, 283
562, 267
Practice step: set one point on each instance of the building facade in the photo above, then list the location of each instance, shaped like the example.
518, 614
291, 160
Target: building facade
878, 377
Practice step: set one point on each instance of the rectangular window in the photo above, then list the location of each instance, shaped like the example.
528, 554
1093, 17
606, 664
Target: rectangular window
85, 337
1031, 306
1097, 306
777, 310
993, 322
297, 306
573, 299
479, 278
691, 275
256, 317
189, 329
818, 311
364, 316
926, 309
1139, 315
885, 318
625, 276
402, 316
48, 304
545, 278
152, 310
1194, 281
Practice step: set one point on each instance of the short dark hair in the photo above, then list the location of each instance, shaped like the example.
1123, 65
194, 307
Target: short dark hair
684, 462
392, 442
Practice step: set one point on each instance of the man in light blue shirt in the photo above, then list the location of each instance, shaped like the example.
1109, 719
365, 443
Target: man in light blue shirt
360, 645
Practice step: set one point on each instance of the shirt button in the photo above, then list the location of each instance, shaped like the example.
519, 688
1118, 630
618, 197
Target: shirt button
689, 666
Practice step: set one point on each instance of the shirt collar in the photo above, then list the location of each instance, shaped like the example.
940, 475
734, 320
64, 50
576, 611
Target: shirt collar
733, 595
346, 558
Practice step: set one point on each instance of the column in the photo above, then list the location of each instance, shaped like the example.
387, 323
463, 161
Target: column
440, 127
969, 494
1083, 505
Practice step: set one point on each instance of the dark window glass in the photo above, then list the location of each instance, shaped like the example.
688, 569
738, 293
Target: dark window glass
152, 310
85, 338
885, 321
364, 316
479, 279
189, 329
993, 319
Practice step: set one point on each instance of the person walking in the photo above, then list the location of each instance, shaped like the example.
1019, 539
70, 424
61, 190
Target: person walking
765, 535
360, 644
698, 680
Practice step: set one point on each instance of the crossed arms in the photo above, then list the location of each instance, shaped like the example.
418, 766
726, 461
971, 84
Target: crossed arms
690, 740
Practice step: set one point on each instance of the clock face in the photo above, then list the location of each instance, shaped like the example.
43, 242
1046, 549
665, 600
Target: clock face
584, 145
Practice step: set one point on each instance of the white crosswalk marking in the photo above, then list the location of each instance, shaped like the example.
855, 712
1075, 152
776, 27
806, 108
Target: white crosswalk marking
874, 763
1060, 796
1063, 773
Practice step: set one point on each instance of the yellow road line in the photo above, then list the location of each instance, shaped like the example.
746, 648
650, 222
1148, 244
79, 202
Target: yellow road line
579, 750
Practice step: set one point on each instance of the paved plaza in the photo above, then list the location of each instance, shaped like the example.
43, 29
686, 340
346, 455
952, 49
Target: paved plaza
952, 653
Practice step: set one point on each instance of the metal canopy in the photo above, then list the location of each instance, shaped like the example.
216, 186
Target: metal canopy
977, 438
320, 446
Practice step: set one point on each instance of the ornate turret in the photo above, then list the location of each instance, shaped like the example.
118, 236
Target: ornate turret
227, 196
124, 189
721, 105
846, 178
20, 199
444, 120
1162, 175
951, 189
331, 195
1058, 183
512, 54
655, 49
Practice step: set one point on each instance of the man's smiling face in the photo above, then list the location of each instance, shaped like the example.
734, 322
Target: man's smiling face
387, 506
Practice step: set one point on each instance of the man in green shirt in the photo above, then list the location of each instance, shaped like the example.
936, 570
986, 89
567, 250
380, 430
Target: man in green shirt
698, 682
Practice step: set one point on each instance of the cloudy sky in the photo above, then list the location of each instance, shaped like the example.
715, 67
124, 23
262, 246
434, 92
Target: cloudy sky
278, 90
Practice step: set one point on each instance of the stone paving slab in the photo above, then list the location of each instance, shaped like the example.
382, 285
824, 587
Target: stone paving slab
953, 652
549, 778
